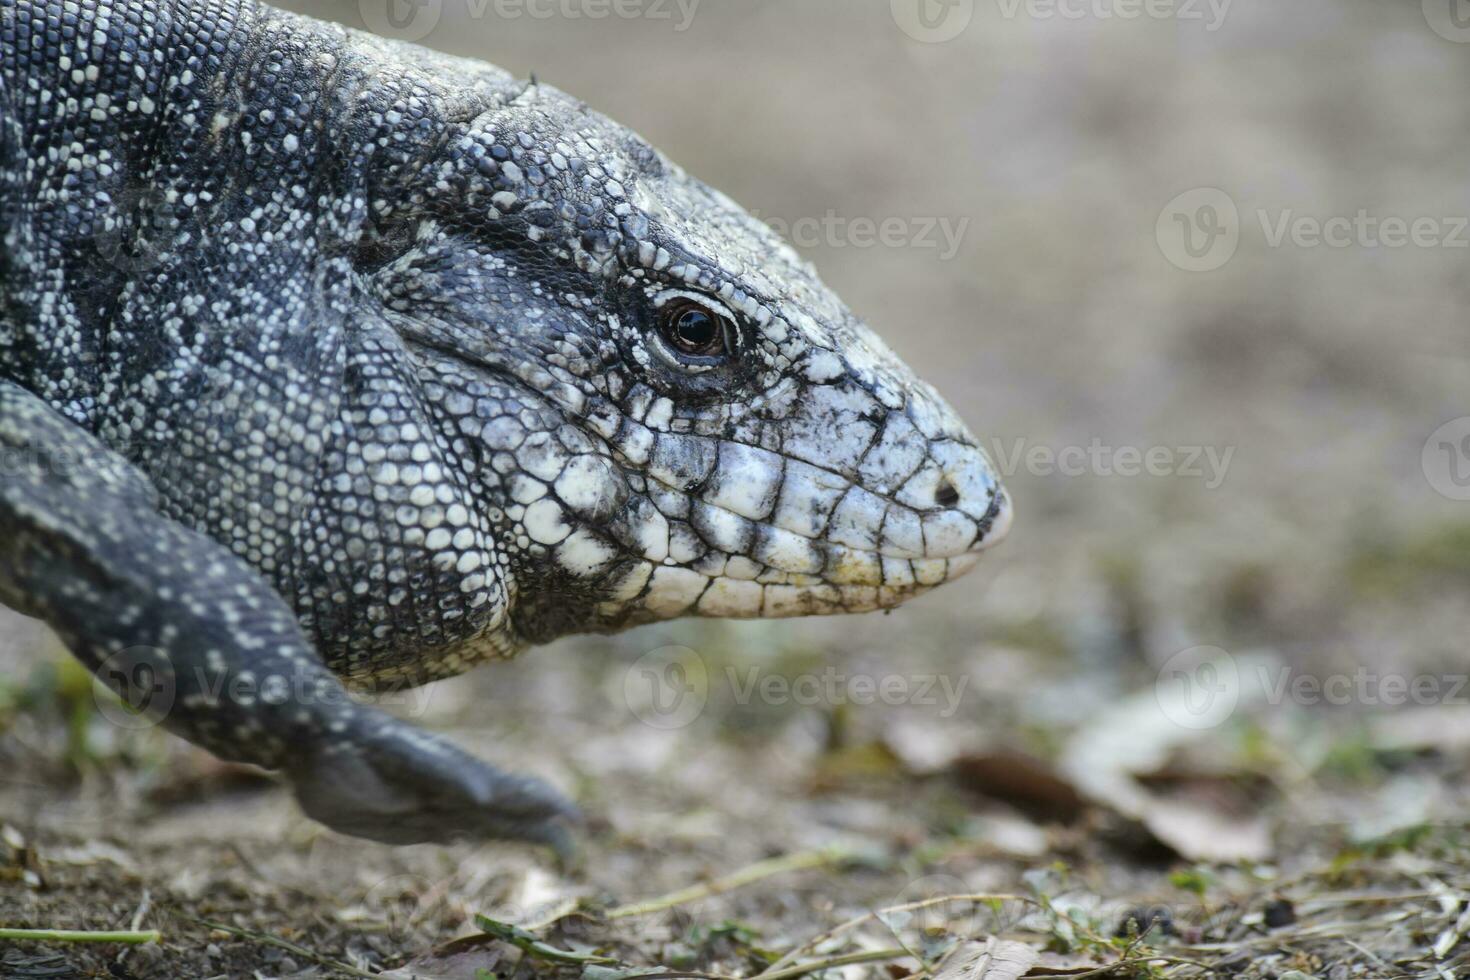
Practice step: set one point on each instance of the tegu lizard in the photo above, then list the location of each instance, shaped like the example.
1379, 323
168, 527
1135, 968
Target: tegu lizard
327, 360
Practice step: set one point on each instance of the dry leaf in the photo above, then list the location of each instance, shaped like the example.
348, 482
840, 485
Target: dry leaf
1203, 834
1441, 728
463, 959
994, 959
1025, 782
1107, 757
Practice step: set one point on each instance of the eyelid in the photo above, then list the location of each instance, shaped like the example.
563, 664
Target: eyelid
704, 299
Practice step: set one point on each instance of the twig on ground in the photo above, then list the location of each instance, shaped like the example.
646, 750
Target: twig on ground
290, 947
776, 968
141, 913
801, 861
1103, 971
847, 959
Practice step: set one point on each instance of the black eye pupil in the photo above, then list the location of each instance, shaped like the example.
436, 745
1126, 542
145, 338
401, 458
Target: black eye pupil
696, 331
696, 328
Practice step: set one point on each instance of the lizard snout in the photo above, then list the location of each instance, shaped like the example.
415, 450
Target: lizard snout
968, 510
996, 523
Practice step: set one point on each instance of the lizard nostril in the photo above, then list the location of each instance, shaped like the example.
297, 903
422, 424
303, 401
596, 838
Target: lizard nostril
947, 495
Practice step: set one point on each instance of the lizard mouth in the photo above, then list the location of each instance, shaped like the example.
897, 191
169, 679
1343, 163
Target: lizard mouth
852, 583
815, 577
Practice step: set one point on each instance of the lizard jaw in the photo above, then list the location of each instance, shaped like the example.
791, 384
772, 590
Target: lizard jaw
852, 581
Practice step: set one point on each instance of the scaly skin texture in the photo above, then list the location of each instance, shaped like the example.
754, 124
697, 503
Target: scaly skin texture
324, 357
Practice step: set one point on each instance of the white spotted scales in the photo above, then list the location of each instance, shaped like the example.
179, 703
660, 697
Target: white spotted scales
328, 358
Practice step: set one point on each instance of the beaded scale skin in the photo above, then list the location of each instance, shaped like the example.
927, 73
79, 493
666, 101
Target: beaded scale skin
329, 359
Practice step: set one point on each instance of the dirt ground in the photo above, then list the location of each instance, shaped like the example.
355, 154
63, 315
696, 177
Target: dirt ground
1207, 716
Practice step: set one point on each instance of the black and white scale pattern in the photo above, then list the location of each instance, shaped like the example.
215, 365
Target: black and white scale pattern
323, 356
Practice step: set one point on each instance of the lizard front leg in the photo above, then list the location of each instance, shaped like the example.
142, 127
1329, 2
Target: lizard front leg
84, 548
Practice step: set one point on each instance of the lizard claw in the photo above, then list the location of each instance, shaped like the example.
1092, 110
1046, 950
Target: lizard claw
399, 785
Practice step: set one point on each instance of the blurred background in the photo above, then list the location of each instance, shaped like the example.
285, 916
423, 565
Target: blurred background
1196, 275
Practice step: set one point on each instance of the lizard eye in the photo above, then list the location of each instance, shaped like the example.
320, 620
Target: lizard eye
694, 330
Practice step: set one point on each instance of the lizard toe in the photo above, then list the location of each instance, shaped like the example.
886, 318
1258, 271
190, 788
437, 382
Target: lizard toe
400, 785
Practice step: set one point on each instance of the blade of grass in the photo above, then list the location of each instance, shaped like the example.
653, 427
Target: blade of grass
129, 936
530, 945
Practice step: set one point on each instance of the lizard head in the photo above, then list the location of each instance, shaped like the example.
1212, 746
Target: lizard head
677, 416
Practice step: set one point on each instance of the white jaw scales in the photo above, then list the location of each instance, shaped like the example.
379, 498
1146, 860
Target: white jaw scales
854, 508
